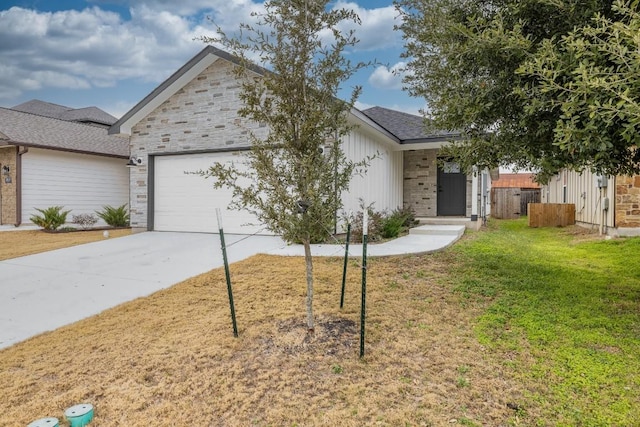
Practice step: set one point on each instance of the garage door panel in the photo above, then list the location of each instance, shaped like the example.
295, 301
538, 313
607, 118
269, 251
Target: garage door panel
185, 201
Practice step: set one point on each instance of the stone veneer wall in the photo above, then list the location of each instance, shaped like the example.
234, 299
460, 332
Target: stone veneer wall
628, 201
421, 182
420, 188
202, 116
8, 191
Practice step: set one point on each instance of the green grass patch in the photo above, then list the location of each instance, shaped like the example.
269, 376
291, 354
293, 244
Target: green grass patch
564, 311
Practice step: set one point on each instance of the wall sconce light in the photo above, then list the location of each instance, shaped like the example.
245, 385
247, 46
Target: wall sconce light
6, 169
134, 161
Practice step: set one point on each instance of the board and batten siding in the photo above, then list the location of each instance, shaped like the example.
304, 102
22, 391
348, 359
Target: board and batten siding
81, 183
382, 183
581, 190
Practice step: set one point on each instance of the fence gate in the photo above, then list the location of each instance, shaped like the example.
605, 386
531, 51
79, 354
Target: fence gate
526, 197
505, 203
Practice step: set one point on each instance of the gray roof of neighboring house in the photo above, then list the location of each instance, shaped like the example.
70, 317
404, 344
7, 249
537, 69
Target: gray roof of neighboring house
31, 130
406, 127
47, 109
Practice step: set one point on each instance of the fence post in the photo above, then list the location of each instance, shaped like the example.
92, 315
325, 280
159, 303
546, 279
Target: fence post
346, 259
365, 237
227, 274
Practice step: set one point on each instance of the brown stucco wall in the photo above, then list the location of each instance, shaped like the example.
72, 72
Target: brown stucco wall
628, 201
8, 191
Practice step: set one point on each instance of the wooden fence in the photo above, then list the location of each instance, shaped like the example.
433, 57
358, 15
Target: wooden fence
552, 214
511, 203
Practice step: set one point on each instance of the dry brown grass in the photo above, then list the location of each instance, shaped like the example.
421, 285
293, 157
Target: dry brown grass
20, 243
171, 358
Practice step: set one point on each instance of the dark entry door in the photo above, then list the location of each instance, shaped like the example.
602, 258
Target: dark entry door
452, 190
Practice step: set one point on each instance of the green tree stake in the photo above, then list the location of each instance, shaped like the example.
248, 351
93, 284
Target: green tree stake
365, 237
344, 268
227, 274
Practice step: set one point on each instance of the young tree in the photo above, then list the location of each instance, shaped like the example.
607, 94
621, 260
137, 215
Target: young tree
464, 57
298, 171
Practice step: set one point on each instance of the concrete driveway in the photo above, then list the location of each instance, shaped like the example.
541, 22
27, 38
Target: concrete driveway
42, 292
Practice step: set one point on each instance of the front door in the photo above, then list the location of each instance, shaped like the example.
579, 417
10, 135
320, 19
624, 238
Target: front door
452, 190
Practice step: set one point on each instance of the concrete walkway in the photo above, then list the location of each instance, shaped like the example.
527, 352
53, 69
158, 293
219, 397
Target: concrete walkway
420, 240
43, 292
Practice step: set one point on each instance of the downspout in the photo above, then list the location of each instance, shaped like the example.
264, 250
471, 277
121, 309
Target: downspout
474, 192
19, 185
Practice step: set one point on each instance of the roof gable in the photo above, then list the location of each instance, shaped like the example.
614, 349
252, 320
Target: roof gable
392, 127
169, 87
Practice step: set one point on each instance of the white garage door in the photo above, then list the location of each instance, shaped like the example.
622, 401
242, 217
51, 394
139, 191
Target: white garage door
82, 183
188, 202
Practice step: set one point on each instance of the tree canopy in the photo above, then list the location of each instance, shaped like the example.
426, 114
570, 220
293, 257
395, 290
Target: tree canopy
295, 174
519, 80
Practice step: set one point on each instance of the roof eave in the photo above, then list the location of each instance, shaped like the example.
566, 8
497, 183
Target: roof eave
67, 150
358, 117
430, 142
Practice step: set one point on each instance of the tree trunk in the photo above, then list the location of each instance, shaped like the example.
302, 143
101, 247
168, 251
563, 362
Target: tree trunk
309, 263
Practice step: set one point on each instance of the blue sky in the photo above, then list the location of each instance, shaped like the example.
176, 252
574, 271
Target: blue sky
112, 53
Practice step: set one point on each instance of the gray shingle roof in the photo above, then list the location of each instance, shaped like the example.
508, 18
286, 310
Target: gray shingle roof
47, 109
27, 129
404, 126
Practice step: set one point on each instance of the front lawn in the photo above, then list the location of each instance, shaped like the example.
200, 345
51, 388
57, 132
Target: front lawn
20, 243
511, 326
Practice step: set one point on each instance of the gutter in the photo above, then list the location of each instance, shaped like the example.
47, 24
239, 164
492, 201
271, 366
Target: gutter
19, 184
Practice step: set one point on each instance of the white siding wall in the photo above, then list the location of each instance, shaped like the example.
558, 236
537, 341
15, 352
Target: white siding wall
79, 182
582, 191
382, 183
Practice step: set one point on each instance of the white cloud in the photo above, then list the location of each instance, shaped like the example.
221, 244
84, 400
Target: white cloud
384, 77
95, 48
376, 28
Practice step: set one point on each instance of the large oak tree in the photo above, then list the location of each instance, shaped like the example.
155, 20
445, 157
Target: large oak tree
468, 59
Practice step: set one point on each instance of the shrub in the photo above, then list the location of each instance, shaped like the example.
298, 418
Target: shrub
51, 219
115, 217
381, 224
85, 221
399, 221
375, 224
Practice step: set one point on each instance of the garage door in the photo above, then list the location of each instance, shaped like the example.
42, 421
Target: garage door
188, 202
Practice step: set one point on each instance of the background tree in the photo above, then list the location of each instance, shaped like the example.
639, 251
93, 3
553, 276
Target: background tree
592, 77
293, 184
464, 58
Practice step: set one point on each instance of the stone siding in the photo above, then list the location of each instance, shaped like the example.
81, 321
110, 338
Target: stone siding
628, 201
420, 188
8, 192
421, 182
202, 116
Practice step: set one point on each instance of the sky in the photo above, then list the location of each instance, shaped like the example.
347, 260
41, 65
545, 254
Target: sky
112, 53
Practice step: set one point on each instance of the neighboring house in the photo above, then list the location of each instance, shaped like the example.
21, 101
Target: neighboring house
608, 203
190, 121
47, 161
511, 193
89, 115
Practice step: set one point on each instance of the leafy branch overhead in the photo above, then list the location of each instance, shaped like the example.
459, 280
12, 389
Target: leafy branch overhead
541, 84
